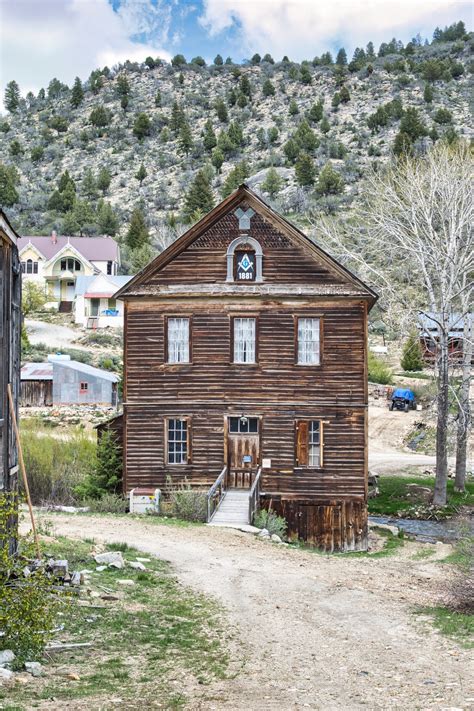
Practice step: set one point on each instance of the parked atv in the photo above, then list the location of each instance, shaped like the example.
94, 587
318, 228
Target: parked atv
403, 400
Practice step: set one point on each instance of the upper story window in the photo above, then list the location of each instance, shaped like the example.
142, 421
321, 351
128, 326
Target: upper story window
178, 340
244, 260
308, 341
71, 265
109, 267
244, 340
29, 267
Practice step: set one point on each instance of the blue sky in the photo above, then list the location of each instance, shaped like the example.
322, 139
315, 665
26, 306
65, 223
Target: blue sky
40, 39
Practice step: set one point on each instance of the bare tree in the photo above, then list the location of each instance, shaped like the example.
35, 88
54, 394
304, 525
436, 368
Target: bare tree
412, 238
463, 403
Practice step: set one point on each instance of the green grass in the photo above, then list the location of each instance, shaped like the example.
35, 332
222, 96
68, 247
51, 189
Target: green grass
156, 640
391, 545
457, 625
415, 374
393, 496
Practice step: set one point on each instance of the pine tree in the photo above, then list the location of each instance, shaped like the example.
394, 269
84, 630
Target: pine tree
245, 86
77, 93
141, 126
217, 159
304, 170
107, 220
315, 114
235, 178
89, 185
137, 234
272, 183
325, 127
12, 96
329, 181
221, 110
209, 137
122, 86
341, 59
185, 138
344, 94
402, 145
428, 94
158, 98
100, 116
225, 144
104, 179
412, 355
291, 149
412, 125
293, 108
84, 216
199, 198
218, 61
305, 137
8, 192
236, 134
268, 89
141, 174
177, 117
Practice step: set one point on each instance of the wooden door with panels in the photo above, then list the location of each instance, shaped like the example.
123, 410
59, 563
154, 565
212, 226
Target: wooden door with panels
243, 451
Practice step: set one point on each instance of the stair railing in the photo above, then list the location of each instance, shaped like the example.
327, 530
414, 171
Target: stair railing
254, 496
216, 494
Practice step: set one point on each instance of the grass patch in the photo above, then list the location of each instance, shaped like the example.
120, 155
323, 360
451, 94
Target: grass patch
457, 625
393, 498
419, 375
159, 642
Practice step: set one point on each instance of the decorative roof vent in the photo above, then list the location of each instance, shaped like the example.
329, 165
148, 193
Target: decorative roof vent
244, 217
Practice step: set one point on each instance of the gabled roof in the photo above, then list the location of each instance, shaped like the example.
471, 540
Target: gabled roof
242, 193
7, 229
87, 369
84, 283
96, 249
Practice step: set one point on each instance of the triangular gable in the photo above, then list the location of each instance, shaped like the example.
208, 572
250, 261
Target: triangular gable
33, 248
75, 252
243, 193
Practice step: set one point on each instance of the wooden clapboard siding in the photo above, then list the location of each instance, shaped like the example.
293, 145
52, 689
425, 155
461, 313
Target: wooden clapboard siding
325, 505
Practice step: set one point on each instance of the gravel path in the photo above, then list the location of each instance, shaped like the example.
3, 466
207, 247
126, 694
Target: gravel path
308, 630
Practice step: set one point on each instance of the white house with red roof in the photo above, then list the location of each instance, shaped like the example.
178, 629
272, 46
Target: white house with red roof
95, 305
57, 261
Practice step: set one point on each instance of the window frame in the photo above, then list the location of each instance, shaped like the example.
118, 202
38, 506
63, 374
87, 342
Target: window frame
166, 429
166, 339
83, 387
233, 318
320, 318
306, 423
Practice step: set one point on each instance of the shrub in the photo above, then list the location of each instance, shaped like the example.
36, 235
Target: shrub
412, 356
56, 465
105, 475
267, 518
379, 372
186, 503
108, 503
27, 607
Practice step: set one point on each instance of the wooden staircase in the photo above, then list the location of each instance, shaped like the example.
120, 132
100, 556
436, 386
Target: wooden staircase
233, 509
65, 307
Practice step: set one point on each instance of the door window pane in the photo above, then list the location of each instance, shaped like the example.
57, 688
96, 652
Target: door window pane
308, 341
314, 443
243, 425
244, 340
177, 441
178, 340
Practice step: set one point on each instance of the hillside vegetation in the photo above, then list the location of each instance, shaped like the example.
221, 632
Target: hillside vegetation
82, 159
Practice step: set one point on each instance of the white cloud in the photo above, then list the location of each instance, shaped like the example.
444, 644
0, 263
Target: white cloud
42, 39
304, 28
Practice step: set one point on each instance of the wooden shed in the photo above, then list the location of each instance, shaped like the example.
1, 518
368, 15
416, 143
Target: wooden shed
245, 374
10, 327
36, 385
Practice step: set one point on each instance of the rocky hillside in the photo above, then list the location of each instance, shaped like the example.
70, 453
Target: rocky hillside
147, 129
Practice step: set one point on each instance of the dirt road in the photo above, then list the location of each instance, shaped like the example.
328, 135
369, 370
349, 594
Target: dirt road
52, 334
311, 631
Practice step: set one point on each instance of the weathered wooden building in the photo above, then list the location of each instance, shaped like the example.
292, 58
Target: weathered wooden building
10, 326
246, 371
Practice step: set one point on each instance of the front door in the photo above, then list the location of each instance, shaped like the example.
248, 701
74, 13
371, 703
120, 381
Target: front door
95, 303
243, 450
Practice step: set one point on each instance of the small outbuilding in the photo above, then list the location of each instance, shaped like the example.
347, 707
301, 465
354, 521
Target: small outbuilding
63, 381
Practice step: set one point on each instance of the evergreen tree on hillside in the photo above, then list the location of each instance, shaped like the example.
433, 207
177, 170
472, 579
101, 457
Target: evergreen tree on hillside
221, 110
107, 220
100, 116
84, 217
142, 126
315, 114
304, 170
141, 174
412, 355
217, 159
268, 89
177, 117
428, 94
104, 179
137, 234
185, 138
293, 108
341, 59
236, 177
77, 93
122, 86
245, 86
8, 192
89, 185
329, 181
209, 137
325, 125
218, 61
12, 96
412, 125
199, 199
272, 183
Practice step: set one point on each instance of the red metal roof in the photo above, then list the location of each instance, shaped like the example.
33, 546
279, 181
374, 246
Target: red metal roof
96, 249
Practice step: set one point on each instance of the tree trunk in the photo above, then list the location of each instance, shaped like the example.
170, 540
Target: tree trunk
464, 408
439, 498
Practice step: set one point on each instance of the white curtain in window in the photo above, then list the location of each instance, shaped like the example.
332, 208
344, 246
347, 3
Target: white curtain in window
178, 340
244, 340
308, 341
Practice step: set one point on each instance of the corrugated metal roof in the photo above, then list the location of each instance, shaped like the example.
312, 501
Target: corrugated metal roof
37, 371
88, 369
428, 324
96, 249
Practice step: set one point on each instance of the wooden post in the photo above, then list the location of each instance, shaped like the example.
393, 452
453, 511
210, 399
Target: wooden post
22, 467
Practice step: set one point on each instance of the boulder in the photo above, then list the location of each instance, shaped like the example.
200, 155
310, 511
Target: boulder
276, 538
264, 533
34, 668
113, 558
6, 657
420, 493
125, 581
137, 565
394, 530
59, 568
5, 674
